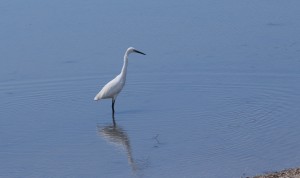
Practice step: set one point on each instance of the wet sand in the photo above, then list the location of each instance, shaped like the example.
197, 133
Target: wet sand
288, 173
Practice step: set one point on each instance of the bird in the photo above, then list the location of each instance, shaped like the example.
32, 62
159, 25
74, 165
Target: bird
115, 86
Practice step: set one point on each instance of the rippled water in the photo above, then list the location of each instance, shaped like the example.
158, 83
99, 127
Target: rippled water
217, 94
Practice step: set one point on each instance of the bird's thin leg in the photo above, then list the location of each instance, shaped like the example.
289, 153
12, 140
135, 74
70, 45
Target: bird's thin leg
113, 107
113, 111
114, 121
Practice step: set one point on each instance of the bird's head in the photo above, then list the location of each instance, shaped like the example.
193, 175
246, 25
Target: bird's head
132, 50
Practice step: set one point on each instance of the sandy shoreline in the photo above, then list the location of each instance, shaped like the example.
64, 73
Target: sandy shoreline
287, 173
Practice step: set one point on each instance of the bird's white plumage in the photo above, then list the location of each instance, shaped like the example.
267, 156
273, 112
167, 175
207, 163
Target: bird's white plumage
114, 87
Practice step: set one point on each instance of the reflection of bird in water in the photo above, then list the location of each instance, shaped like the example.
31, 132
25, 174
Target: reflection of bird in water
116, 135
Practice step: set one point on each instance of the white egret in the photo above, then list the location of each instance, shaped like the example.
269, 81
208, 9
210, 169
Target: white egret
114, 87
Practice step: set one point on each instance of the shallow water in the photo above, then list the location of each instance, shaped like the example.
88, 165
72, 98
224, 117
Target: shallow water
217, 94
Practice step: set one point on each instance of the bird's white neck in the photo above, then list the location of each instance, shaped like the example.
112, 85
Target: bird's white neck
124, 68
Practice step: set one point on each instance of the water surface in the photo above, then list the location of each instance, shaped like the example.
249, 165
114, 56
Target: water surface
217, 94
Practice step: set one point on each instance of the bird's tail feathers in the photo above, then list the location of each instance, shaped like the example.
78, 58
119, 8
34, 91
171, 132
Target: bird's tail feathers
96, 98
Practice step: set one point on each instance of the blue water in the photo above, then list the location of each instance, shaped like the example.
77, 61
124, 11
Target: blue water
217, 94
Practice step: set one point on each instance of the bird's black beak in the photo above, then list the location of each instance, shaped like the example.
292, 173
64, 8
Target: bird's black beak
139, 52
